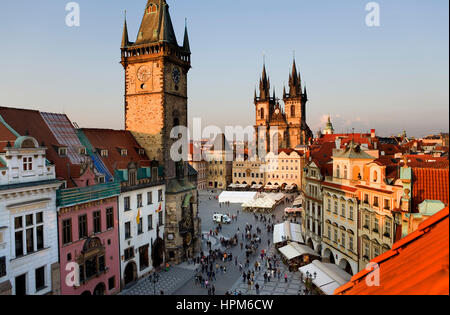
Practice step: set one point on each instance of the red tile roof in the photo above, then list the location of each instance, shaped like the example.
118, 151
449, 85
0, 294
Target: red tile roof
340, 187
416, 265
31, 121
429, 184
6, 136
114, 141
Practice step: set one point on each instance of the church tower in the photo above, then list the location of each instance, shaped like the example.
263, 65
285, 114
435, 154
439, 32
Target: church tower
156, 96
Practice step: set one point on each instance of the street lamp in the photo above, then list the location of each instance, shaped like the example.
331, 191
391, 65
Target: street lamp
309, 280
154, 278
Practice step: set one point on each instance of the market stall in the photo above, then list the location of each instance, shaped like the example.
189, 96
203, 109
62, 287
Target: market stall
297, 255
285, 232
323, 278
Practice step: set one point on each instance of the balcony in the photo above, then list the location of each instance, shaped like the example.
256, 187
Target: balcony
73, 196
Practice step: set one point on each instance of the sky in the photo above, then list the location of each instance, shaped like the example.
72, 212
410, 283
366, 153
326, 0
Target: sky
391, 78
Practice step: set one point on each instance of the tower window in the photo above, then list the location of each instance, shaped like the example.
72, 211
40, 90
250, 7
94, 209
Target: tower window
152, 8
293, 111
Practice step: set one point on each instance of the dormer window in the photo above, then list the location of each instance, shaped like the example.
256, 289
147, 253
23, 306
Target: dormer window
141, 151
62, 152
101, 179
27, 163
104, 153
123, 152
82, 151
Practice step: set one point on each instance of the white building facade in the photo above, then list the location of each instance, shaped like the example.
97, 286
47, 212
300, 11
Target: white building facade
140, 239
28, 220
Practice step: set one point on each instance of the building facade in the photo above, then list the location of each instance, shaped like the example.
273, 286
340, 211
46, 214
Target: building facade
141, 208
156, 100
281, 127
28, 223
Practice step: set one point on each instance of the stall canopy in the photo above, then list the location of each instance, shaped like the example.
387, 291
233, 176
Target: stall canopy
287, 231
329, 277
294, 250
297, 202
276, 197
264, 202
236, 196
292, 210
256, 187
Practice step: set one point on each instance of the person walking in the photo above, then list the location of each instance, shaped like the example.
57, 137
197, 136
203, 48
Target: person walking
257, 288
285, 277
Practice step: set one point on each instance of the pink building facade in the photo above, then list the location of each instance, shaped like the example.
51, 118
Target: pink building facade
88, 239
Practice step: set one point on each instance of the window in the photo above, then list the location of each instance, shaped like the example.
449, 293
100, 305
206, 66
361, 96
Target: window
82, 151
97, 222
160, 218
132, 178
350, 243
40, 278
140, 225
143, 257
2, 266
387, 205
25, 235
375, 176
376, 226
141, 151
127, 230
329, 205
335, 235
149, 198
123, 152
111, 283
336, 206
338, 172
160, 195
109, 218
366, 221
343, 210
387, 228
62, 152
350, 213
139, 201
329, 232
292, 111
150, 222
127, 203
67, 231
104, 153
129, 253
376, 252
345, 171
375, 201
27, 163
366, 199
82, 226
343, 239
366, 250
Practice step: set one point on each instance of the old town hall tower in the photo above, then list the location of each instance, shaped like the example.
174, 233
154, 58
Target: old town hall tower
156, 73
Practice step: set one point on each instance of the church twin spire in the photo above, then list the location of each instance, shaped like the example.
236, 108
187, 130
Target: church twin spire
295, 85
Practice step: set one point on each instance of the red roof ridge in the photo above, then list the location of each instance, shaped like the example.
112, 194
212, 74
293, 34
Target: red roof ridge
423, 229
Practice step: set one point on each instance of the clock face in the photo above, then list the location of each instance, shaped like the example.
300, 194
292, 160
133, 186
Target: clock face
277, 111
144, 73
176, 75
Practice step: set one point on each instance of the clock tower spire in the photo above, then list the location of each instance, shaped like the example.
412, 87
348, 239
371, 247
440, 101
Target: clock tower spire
156, 101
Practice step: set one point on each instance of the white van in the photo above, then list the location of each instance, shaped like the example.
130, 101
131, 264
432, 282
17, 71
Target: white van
221, 218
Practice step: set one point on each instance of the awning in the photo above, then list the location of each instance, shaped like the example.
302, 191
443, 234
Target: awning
298, 202
287, 231
256, 187
329, 277
293, 250
260, 203
236, 196
293, 210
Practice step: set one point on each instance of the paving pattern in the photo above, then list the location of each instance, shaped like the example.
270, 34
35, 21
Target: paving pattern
169, 282
276, 286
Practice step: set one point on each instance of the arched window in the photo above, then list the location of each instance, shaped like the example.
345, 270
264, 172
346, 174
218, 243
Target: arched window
292, 111
375, 176
338, 172
345, 172
262, 113
152, 8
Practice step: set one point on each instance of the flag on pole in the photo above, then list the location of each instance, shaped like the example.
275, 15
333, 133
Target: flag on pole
160, 208
138, 218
